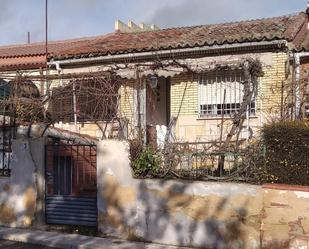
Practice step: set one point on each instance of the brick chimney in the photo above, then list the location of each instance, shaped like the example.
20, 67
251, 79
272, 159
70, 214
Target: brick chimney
131, 27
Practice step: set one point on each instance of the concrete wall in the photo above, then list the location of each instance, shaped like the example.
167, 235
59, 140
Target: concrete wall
174, 212
207, 214
20, 202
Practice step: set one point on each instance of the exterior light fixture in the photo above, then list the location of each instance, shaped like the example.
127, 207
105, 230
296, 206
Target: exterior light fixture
153, 80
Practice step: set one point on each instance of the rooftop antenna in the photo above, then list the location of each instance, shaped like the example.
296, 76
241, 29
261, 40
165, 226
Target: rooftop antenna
28, 37
46, 30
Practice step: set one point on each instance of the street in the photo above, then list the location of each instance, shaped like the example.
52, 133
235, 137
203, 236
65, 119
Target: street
6, 244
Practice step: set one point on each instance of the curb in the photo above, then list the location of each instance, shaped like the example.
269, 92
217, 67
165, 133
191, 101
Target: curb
26, 237
73, 241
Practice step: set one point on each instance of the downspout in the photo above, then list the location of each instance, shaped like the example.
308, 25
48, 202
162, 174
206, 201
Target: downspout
74, 106
297, 85
60, 71
297, 58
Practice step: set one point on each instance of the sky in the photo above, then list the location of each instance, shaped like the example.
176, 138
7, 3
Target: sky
80, 18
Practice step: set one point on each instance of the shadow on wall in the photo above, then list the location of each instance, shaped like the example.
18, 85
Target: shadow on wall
17, 205
18, 193
200, 214
179, 212
190, 220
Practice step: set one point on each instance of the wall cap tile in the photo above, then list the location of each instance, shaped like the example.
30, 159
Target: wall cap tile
286, 187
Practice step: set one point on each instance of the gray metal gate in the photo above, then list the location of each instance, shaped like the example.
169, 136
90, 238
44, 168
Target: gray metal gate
71, 181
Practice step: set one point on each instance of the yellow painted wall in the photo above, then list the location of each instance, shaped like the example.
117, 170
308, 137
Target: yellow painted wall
190, 127
184, 95
127, 99
271, 83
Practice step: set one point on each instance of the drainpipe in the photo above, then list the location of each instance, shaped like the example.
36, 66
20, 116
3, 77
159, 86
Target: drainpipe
297, 58
297, 85
74, 106
60, 71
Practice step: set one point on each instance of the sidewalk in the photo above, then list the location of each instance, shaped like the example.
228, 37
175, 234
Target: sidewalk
73, 241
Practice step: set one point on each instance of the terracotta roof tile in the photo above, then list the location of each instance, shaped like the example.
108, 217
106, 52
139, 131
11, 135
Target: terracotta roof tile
38, 48
28, 56
22, 62
33, 55
304, 44
284, 27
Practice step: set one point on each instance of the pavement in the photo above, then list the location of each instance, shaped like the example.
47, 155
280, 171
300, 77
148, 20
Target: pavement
7, 244
69, 241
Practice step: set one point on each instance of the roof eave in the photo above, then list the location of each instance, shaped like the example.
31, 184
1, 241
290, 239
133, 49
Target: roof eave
172, 53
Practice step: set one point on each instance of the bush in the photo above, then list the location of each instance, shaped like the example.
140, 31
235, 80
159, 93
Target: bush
145, 162
286, 152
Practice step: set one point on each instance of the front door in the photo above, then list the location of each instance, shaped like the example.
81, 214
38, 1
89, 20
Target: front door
158, 111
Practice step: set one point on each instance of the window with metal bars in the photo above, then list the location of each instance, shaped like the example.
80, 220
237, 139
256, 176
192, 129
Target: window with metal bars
92, 102
6, 136
221, 93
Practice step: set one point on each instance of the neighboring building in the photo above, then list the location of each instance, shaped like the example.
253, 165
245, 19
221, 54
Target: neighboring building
27, 60
31, 60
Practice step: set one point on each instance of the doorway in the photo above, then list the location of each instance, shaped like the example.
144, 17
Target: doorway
157, 111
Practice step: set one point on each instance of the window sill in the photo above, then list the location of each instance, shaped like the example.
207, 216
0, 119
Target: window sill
219, 118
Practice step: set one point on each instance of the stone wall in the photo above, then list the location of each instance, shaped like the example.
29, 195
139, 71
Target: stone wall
285, 213
19, 202
206, 214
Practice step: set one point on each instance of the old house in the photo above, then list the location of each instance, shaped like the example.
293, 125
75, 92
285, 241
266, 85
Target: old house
187, 85
189, 79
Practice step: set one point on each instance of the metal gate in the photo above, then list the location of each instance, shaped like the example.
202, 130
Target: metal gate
71, 184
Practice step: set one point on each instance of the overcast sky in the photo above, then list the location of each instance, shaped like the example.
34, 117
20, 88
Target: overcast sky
79, 18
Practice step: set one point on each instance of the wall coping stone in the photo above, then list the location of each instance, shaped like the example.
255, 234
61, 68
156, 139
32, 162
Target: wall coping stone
286, 187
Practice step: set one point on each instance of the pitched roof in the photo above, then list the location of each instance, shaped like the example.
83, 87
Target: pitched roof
284, 27
304, 45
27, 56
32, 56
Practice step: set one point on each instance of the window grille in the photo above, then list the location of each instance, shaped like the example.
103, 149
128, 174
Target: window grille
211, 94
93, 103
6, 135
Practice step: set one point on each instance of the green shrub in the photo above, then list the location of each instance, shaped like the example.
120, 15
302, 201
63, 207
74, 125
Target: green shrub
146, 163
286, 152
